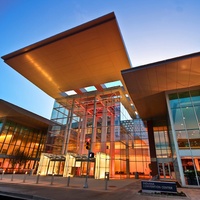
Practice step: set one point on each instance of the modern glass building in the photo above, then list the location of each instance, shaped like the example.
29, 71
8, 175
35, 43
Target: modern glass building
120, 147
81, 69
184, 110
22, 138
168, 98
147, 124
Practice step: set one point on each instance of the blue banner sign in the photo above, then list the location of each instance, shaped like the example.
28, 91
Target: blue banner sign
158, 186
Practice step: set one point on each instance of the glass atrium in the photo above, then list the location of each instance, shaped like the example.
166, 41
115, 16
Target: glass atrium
120, 144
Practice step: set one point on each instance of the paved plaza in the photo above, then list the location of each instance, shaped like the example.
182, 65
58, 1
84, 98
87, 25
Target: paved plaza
60, 188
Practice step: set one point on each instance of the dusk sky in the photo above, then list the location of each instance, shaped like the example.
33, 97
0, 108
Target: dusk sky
153, 30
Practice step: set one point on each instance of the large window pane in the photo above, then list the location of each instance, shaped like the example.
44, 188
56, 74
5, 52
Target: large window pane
184, 99
178, 119
173, 100
190, 118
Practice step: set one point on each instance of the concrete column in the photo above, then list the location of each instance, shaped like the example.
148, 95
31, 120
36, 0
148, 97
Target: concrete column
65, 132
94, 136
127, 158
78, 135
112, 145
69, 128
152, 148
104, 130
93, 139
83, 132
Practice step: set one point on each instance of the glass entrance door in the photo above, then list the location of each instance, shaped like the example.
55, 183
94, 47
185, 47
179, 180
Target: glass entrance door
165, 169
81, 168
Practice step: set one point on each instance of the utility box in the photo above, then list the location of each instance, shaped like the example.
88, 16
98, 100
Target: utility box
136, 175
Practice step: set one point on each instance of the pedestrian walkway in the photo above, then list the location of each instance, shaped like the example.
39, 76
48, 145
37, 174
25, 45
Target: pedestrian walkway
58, 181
60, 188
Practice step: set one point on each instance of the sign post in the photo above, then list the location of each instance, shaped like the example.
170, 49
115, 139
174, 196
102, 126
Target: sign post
86, 183
88, 147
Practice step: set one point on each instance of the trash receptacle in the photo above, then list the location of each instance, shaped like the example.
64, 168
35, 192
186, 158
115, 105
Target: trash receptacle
31, 172
136, 175
107, 175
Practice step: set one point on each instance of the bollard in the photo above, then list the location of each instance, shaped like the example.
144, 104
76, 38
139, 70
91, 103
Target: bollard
68, 180
38, 176
2, 175
24, 177
52, 179
106, 183
12, 177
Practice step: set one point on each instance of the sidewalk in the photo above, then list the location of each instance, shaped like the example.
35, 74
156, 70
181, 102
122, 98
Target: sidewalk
58, 188
74, 182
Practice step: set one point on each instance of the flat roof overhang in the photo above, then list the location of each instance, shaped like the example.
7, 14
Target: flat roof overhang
22, 116
88, 55
148, 84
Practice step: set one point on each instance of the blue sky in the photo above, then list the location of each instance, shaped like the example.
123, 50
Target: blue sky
152, 30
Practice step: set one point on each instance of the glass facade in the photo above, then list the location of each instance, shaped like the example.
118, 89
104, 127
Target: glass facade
139, 153
20, 146
185, 111
163, 150
96, 118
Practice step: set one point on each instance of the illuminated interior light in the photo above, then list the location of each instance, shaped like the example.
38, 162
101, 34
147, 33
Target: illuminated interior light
126, 95
136, 112
41, 70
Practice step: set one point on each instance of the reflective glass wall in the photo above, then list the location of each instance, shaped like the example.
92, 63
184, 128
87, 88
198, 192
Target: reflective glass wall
185, 111
163, 150
20, 146
139, 153
97, 118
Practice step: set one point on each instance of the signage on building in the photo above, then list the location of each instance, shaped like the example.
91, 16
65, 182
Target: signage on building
158, 186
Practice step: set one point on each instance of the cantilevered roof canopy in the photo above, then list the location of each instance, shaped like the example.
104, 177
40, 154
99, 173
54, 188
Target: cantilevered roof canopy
90, 54
147, 84
22, 116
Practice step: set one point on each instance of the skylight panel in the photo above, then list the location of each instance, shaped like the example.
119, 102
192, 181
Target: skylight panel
113, 84
70, 92
90, 88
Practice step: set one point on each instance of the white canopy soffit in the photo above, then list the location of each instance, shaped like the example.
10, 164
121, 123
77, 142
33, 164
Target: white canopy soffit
147, 84
90, 54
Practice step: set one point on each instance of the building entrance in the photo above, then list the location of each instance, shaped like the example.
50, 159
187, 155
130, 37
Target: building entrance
80, 168
165, 169
55, 167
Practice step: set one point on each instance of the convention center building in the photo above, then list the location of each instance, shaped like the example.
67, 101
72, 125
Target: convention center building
22, 138
109, 117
